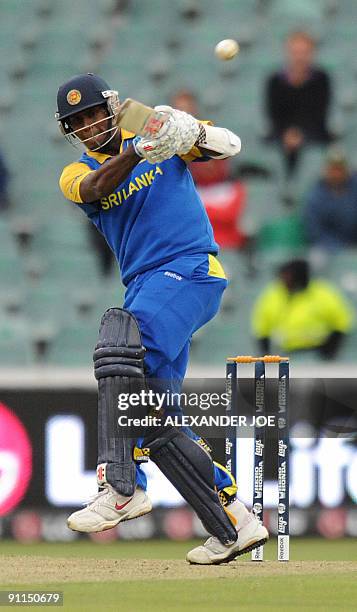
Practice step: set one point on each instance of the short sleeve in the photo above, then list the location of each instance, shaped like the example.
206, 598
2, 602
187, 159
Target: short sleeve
70, 181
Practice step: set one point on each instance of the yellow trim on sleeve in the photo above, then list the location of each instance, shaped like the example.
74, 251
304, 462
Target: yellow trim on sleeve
194, 153
215, 268
73, 174
70, 180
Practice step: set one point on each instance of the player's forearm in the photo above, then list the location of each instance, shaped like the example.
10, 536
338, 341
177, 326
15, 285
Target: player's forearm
218, 142
103, 181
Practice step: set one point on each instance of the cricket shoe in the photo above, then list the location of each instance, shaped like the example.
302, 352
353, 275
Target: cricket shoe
251, 535
107, 509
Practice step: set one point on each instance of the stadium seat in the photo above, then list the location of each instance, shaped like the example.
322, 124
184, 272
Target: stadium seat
49, 302
68, 233
74, 343
286, 231
7, 241
223, 339
347, 353
289, 14
341, 265
263, 202
310, 169
11, 271
109, 295
12, 301
72, 268
15, 342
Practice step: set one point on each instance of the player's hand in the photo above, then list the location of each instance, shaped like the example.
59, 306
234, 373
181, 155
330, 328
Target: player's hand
188, 128
164, 145
177, 136
155, 150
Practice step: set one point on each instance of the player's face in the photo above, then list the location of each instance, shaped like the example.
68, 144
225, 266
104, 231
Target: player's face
90, 126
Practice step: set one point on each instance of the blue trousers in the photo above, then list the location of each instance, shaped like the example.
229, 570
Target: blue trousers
170, 303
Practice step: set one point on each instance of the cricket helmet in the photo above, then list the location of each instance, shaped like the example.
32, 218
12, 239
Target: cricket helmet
80, 93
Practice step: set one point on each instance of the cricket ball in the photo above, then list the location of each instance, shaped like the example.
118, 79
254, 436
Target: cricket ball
226, 49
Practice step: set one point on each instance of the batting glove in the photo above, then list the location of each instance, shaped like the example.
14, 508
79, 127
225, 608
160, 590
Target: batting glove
188, 128
163, 146
155, 150
177, 136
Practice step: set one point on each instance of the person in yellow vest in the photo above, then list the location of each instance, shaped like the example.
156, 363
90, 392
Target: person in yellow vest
296, 313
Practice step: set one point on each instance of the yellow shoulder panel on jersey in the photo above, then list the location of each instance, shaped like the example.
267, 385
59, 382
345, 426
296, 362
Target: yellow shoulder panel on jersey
70, 180
195, 153
125, 135
100, 157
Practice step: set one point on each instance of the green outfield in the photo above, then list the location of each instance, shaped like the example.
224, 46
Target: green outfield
152, 576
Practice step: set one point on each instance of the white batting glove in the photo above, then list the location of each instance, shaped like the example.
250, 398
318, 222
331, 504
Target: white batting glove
177, 136
156, 150
188, 128
161, 147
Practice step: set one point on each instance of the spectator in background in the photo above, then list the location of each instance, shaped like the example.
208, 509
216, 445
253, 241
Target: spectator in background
331, 212
223, 196
295, 313
4, 185
297, 101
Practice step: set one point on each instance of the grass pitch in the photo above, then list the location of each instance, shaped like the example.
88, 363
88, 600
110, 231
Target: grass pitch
153, 576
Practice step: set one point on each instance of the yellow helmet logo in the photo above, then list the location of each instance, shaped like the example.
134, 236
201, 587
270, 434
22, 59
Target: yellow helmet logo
74, 97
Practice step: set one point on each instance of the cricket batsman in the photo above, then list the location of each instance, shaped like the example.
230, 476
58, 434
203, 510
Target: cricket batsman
140, 195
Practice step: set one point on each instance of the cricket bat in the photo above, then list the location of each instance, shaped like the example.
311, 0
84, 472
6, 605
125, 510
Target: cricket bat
140, 119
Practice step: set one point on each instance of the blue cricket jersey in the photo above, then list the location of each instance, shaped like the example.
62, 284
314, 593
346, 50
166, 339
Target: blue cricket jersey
154, 216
